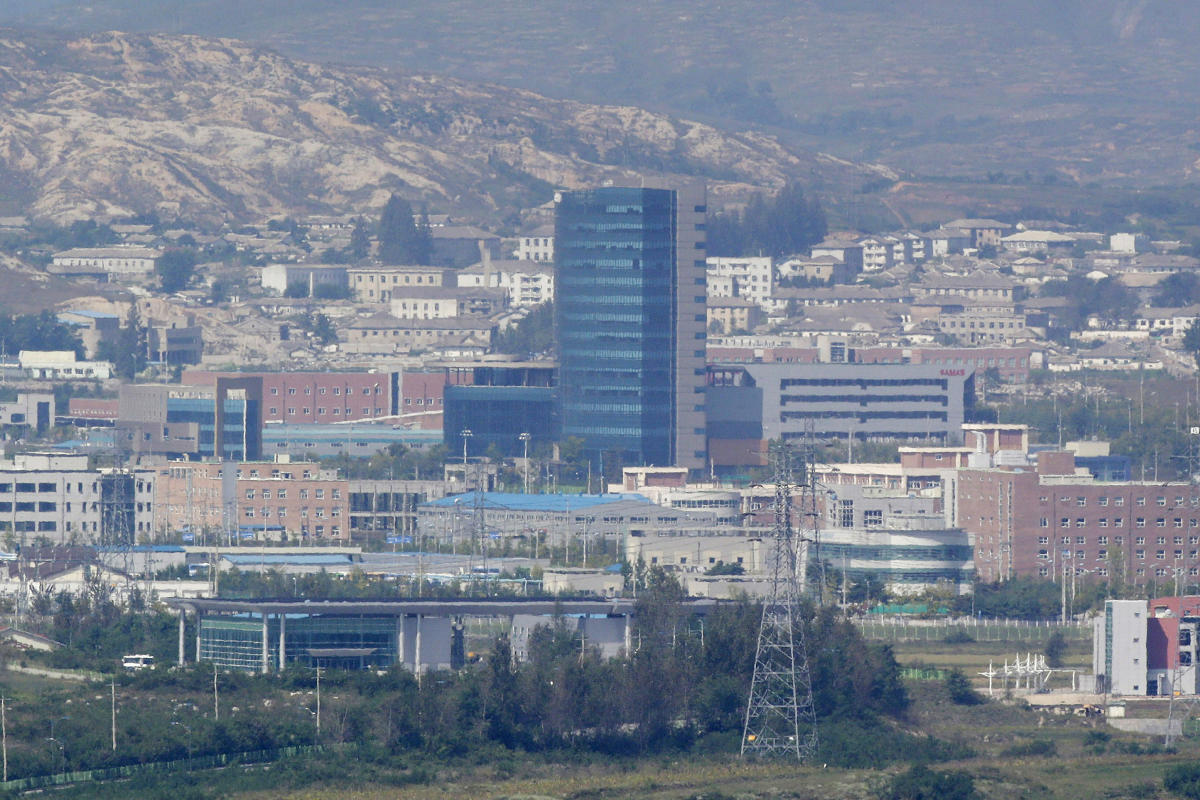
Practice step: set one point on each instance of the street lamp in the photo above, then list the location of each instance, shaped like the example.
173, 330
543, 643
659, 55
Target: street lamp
466, 434
189, 733
525, 437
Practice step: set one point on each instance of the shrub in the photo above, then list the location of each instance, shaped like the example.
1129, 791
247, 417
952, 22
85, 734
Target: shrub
1184, 780
922, 783
1056, 648
958, 686
958, 637
1037, 747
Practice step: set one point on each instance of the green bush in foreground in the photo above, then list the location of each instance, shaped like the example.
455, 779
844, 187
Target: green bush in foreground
922, 783
1184, 780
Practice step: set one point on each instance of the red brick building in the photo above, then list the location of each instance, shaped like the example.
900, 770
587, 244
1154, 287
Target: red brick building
267, 500
1048, 519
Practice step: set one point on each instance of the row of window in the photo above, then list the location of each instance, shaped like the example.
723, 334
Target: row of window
336, 390
281, 494
1178, 500
1193, 540
337, 412
1117, 522
282, 512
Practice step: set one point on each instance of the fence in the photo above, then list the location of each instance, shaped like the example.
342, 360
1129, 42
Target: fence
129, 770
900, 629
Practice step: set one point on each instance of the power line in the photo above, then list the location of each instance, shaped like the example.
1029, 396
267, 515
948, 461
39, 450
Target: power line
780, 718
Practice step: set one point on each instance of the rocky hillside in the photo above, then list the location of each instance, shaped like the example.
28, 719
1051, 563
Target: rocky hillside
214, 129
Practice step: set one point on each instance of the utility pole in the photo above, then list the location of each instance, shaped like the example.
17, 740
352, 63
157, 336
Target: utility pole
114, 713
318, 705
216, 703
4, 734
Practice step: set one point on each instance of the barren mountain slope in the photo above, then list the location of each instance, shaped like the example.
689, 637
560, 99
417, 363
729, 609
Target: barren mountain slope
209, 129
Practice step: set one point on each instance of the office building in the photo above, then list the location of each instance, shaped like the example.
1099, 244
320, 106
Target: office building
840, 400
631, 317
221, 421
498, 401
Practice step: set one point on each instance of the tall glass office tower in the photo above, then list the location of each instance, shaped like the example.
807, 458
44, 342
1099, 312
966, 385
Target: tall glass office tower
630, 320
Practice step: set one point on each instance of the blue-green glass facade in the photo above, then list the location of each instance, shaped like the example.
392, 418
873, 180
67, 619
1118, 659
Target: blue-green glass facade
616, 288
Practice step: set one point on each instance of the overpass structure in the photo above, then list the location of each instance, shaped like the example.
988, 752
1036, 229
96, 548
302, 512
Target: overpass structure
262, 635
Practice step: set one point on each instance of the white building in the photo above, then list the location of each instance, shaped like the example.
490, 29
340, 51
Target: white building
62, 365
377, 284
1119, 647
115, 261
528, 283
537, 245
753, 277
58, 497
278, 277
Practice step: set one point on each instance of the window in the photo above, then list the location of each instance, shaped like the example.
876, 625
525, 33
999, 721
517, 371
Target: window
1160, 540
1178, 540
1102, 540
1140, 540
1080, 523
1102, 500
1081, 501
1065, 522
1140, 522
266, 494
1160, 523
1044, 523
1160, 554
1141, 501
1080, 540
1043, 540
1102, 522
1162, 501
1118, 501
1119, 522
1140, 555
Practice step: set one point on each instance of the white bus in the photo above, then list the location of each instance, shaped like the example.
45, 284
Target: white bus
137, 662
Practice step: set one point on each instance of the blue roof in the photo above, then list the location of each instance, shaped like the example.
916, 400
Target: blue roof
79, 312
308, 559
537, 502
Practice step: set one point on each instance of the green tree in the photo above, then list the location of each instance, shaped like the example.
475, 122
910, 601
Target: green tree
175, 268
128, 351
40, 331
1056, 648
1177, 289
783, 225
360, 240
401, 239
1191, 341
958, 687
533, 334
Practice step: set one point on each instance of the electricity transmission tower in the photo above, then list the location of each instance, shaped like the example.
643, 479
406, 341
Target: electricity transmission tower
780, 720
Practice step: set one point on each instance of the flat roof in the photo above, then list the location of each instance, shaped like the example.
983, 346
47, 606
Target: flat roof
433, 608
536, 502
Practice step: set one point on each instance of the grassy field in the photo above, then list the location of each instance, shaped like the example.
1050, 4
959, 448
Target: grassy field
1013, 751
